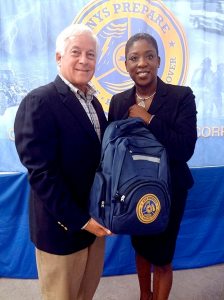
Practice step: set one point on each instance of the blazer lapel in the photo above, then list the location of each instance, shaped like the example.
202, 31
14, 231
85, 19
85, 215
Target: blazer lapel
74, 106
158, 101
160, 98
129, 100
100, 114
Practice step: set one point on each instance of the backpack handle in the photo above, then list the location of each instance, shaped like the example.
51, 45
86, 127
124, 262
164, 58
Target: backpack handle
129, 123
118, 128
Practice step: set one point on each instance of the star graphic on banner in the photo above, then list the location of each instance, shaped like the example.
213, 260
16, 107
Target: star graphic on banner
172, 44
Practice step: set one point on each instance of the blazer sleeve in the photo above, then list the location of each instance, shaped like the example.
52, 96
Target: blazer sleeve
176, 127
37, 143
112, 111
118, 108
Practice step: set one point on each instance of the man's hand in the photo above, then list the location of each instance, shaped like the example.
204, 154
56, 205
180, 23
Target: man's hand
97, 229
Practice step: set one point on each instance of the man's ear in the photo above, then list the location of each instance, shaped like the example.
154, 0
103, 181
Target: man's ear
58, 59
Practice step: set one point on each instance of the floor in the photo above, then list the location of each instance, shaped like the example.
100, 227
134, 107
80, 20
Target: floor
195, 284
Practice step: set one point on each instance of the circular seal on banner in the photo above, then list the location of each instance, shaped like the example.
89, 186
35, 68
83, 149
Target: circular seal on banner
148, 208
114, 23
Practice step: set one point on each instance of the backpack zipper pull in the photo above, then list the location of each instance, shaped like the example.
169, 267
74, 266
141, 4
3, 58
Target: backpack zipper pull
102, 206
122, 198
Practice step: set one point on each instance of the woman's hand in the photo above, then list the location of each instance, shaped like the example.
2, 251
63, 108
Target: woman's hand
136, 111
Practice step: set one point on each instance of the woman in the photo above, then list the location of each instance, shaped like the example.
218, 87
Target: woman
169, 112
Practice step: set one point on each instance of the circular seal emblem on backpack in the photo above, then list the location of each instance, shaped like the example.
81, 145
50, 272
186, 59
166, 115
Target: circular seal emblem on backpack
148, 208
114, 22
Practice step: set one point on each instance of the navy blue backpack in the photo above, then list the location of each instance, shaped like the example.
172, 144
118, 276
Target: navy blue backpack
131, 189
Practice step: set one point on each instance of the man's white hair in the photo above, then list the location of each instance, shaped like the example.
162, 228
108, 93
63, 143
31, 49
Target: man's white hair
72, 31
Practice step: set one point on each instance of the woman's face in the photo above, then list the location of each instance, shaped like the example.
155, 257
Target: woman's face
142, 63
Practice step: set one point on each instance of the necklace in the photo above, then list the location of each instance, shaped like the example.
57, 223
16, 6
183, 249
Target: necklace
143, 99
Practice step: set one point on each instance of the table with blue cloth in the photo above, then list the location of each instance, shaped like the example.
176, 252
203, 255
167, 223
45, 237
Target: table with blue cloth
198, 244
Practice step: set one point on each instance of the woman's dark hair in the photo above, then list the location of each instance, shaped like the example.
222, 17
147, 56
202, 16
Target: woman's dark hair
140, 36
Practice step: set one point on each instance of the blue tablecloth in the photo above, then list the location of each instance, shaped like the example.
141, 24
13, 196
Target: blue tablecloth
200, 241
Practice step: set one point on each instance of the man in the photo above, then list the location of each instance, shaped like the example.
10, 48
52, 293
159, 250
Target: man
58, 129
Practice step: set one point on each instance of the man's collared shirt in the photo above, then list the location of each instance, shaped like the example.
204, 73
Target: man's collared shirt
86, 102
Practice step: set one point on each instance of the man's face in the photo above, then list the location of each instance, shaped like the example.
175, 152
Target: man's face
77, 64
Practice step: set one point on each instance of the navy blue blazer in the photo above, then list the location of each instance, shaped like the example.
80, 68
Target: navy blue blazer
174, 125
58, 145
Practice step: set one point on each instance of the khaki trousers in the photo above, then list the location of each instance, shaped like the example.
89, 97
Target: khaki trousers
71, 277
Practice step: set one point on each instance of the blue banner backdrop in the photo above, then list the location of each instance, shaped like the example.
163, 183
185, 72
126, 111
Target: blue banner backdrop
189, 33
187, 43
